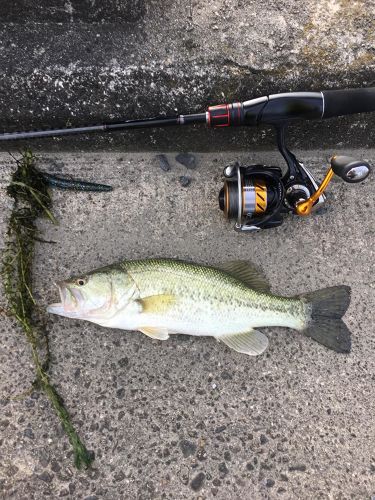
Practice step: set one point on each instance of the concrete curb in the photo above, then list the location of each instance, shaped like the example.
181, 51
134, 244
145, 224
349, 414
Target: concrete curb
76, 65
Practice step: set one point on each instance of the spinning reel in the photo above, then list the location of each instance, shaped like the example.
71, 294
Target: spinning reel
258, 196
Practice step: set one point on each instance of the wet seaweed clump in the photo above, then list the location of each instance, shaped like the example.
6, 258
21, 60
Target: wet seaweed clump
29, 190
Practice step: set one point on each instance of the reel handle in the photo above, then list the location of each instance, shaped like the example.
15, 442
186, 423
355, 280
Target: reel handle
350, 169
346, 167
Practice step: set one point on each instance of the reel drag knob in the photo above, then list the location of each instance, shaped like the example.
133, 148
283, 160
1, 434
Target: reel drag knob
350, 169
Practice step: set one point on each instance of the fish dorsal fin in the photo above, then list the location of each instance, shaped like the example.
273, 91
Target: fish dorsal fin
158, 333
156, 304
248, 273
252, 343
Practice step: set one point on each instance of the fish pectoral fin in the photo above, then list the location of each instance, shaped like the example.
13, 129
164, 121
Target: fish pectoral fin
248, 273
155, 332
252, 343
156, 304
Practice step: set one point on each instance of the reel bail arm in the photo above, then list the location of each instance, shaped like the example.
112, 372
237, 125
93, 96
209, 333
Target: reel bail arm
298, 181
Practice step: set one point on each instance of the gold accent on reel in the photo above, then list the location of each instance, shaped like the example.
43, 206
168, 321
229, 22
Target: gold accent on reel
304, 208
260, 196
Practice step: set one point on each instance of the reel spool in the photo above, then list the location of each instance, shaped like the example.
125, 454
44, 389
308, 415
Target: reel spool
252, 195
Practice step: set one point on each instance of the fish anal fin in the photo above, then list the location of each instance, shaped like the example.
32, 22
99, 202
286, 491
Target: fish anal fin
155, 332
248, 273
252, 342
156, 304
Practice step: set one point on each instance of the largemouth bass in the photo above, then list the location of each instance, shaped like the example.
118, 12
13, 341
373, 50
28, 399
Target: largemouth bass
161, 297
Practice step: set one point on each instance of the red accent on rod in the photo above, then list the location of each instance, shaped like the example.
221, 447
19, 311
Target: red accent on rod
219, 116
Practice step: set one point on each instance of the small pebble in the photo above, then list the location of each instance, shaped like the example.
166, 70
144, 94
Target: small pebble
201, 454
55, 466
198, 481
44, 476
184, 180
187, 159
226, 375
123, 362
187, 447
120, 393
220, 429
119, 476
263, 439
298, 467
12, 470
163, 163
223, 468
28, 433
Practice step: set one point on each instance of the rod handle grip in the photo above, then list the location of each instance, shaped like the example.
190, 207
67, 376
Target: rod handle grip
348, 101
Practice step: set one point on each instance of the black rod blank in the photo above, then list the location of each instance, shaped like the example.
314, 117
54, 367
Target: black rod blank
107, 127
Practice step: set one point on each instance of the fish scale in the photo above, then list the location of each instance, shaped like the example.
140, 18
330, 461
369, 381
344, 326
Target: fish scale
224, 303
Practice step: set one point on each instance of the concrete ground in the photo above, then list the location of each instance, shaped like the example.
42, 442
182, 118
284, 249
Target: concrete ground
189, 418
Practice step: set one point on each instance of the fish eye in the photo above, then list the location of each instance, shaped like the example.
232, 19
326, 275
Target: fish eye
81, 281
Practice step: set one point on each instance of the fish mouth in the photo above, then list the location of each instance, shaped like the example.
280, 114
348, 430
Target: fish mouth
70, 301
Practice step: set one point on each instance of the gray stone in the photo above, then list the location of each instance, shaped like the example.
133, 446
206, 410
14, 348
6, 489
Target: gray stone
197, 483
298, 467
163, 162
263, 439
46, 477
123, 362
187, 447
120, 393
184, 180
187, 159
28, 432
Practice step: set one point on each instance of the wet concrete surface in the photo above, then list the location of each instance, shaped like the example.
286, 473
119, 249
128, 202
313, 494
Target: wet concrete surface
188, 418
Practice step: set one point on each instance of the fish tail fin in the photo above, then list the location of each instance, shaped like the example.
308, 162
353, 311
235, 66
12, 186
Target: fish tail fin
325, 325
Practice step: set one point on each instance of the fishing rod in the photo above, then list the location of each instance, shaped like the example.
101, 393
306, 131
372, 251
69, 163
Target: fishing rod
258, 196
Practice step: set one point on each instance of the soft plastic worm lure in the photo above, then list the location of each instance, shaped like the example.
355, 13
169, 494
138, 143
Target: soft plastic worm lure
74, 184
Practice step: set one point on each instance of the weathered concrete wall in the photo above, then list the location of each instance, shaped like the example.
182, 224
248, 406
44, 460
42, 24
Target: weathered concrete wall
88, 61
